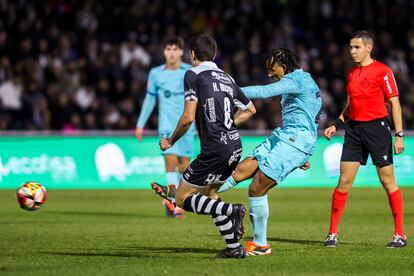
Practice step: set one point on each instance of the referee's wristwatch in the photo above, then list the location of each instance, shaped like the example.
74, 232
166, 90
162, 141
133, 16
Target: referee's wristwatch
399, 134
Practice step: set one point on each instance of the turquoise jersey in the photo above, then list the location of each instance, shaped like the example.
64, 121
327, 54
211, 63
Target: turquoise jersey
167, 86
301, 107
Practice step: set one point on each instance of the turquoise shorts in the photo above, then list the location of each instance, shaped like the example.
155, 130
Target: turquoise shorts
277, 159
184, 147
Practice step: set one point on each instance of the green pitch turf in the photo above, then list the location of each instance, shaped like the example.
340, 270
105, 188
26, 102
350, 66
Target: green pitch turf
126, 233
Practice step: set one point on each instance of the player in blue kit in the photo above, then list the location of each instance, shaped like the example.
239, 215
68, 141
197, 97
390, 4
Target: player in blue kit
166, 84
287, 148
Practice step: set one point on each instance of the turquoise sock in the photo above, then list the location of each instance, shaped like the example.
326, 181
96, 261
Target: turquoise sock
171, 178
230, 183
259, 213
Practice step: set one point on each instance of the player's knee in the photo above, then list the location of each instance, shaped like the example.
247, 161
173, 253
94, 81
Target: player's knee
388, 182
238, 175
256, 190
344, 183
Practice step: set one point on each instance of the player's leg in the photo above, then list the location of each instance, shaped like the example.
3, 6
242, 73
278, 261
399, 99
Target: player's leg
249, 166
202, 198
280, 161
228, 218
379, 145
396, 202
259, 213
246, 169
185, 150
348, 171
182, 165
354, 153
171, 162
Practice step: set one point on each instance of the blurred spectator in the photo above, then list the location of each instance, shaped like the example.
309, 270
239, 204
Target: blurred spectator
71, 65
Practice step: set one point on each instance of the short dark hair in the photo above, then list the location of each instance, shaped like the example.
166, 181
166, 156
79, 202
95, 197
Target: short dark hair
175, 40
204, 47
282, 56
367, 38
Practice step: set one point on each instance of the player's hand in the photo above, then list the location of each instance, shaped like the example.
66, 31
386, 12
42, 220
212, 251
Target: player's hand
138, 133
305, 166
165, 144
398, 145
329, 132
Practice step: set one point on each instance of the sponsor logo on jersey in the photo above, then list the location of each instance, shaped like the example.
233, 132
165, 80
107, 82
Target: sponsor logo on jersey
221, 77
235, 156
387, 82
233, 134
210, 110
223, 137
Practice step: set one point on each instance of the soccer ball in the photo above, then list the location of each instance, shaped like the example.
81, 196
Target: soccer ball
31, 195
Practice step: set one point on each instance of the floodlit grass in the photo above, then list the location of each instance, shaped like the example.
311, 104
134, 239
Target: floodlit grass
124, 232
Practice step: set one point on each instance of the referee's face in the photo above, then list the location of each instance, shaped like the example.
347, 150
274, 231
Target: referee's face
359, 51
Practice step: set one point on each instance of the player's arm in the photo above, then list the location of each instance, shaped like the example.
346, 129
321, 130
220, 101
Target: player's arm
397, 118
339, 122
390, 90
284, 86
242, 116
147, 106
245, 106
146, 110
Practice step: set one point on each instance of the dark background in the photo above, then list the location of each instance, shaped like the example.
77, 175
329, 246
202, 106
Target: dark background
69, 65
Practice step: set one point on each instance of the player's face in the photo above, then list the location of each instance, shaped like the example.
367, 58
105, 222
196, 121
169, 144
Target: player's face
172, 54
359, 50
276, 72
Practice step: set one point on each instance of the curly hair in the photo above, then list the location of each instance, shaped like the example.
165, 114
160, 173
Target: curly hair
282, 56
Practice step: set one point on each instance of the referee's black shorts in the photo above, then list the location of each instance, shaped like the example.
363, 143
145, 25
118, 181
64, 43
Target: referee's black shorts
363, 138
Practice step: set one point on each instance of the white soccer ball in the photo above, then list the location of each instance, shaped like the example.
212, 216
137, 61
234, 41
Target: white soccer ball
31, 196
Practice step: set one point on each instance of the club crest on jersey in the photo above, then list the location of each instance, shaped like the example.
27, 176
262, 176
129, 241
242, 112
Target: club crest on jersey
221, 77
167, 94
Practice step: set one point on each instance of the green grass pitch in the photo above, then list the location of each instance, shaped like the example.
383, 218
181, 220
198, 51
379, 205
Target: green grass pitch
125, 232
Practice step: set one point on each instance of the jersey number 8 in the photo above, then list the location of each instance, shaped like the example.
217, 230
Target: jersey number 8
227, 113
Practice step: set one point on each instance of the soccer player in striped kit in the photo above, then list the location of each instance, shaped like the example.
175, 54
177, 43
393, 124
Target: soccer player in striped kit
371, 86
217, 105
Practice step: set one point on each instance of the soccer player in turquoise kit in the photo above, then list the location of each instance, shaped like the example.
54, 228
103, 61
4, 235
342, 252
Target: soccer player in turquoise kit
287, 148
166, 84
